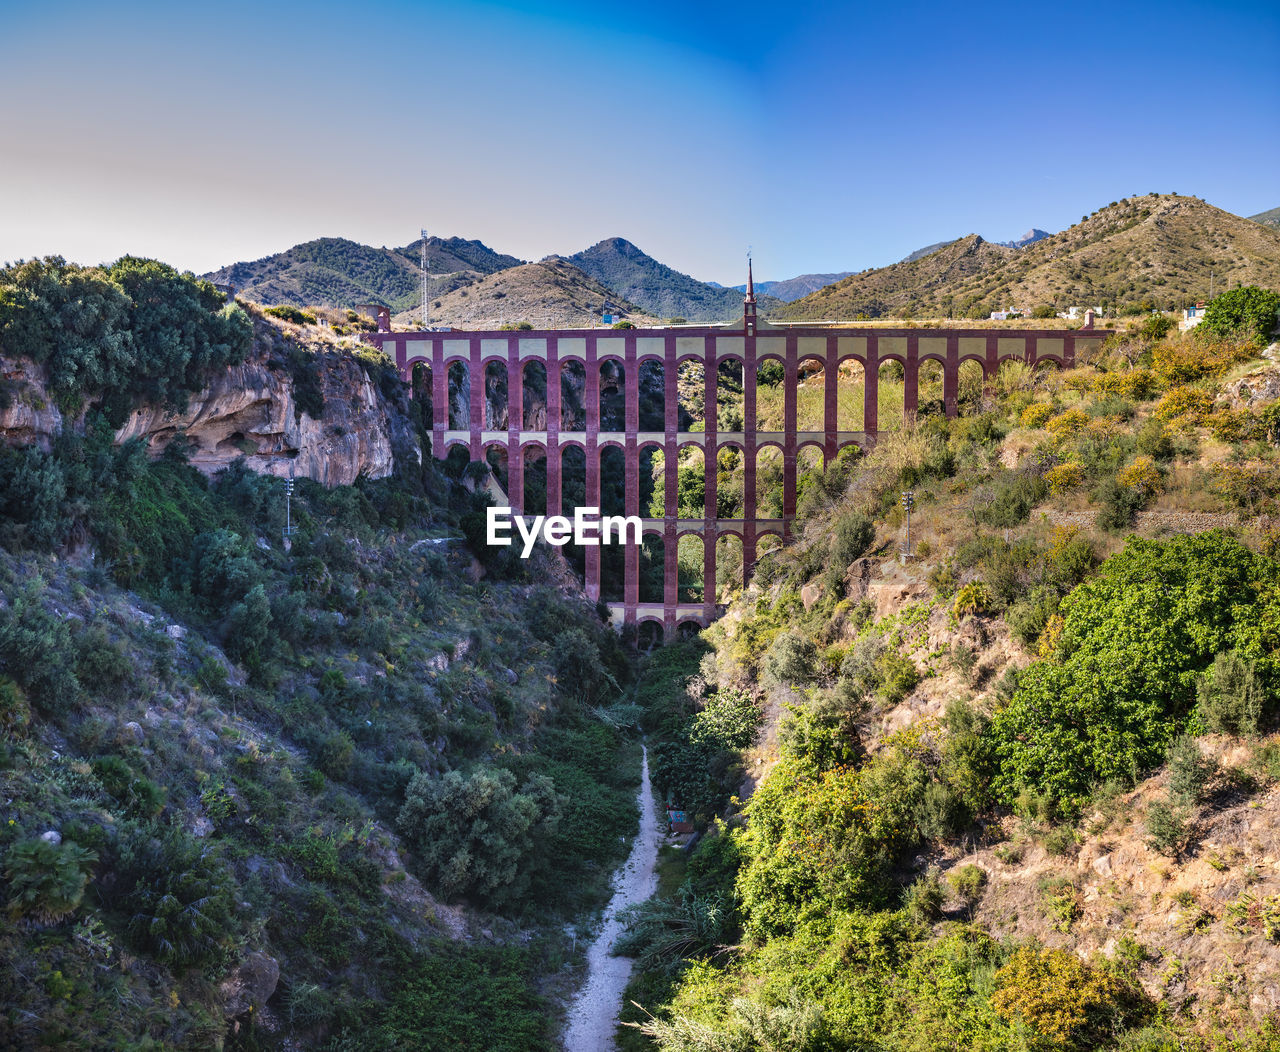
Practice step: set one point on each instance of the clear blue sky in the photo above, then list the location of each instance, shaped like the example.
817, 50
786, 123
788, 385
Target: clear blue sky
827, 136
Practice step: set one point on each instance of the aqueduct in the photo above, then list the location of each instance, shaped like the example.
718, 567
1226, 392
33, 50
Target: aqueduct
813, 346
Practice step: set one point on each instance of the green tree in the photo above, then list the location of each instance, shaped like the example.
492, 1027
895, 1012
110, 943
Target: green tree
1123, 678
476, 835
1246, 313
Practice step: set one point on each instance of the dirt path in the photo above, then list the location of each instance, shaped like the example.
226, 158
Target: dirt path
594, 1014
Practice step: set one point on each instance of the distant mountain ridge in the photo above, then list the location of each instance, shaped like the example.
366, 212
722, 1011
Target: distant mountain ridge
657, 288
1159, 249
336, 272
550, 294
793, 288
1268, 218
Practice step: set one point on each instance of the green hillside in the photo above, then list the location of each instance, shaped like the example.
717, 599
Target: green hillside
335, 272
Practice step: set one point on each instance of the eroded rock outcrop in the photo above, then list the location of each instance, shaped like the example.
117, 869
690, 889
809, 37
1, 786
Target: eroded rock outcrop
249, 411
27, 415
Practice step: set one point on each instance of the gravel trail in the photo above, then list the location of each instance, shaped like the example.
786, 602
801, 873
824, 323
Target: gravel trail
594, 1014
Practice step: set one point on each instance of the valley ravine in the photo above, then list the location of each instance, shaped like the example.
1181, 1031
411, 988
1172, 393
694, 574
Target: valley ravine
594, 1014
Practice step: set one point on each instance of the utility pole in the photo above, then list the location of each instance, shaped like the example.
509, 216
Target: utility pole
908, 502
426, 314
289, 528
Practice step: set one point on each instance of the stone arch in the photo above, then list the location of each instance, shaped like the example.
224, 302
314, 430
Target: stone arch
496, 395
769, 480
850, 385
494, 454
652, 374
612, 394
573, 395
459, 388
533, 385
729, 566
931, 386
970, 383
890, 392
613, 468
730, 393
650, 632
533, 455
652, 478
422, 389
691, 547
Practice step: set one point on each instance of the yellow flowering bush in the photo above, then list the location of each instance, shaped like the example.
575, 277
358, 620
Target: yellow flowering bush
1142, 475
1036, 415
1189, 404
1067, 423
1060, 997
1135, 384
1064, 477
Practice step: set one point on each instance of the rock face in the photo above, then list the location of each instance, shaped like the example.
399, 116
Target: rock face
248, 411
30, 418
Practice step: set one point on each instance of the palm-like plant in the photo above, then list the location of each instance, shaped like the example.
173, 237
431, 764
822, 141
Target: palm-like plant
47, 880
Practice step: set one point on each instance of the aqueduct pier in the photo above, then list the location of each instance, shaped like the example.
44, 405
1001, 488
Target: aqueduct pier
822, 347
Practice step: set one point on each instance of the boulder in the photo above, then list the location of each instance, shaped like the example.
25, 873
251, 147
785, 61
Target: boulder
251, 985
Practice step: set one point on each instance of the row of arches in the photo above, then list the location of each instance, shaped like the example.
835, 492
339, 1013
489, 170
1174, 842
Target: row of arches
824, 397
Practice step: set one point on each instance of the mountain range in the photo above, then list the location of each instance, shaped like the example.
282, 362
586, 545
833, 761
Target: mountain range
1270, 218
1162, 249
335, 272
550, 294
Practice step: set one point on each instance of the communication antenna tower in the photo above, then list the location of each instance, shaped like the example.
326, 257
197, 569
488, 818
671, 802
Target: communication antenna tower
426, 316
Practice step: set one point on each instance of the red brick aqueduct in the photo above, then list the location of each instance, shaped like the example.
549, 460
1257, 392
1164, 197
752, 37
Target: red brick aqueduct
749, 343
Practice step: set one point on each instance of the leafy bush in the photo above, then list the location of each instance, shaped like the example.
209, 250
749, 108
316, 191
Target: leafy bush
968, 882
139, 330
36, 650
1119, 505
923, 899
180, 899
1067, 423
1186, 404
476, 835
15, 713
1143, 476
285, 312
1168, 826
1063, 477
1188, 769
792, 658
663, 933
1246, 313
46, 880
1028, 618
730, 721
854, 534
1134, 642
1230, 695
1059, 997
975, 599
138, 795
